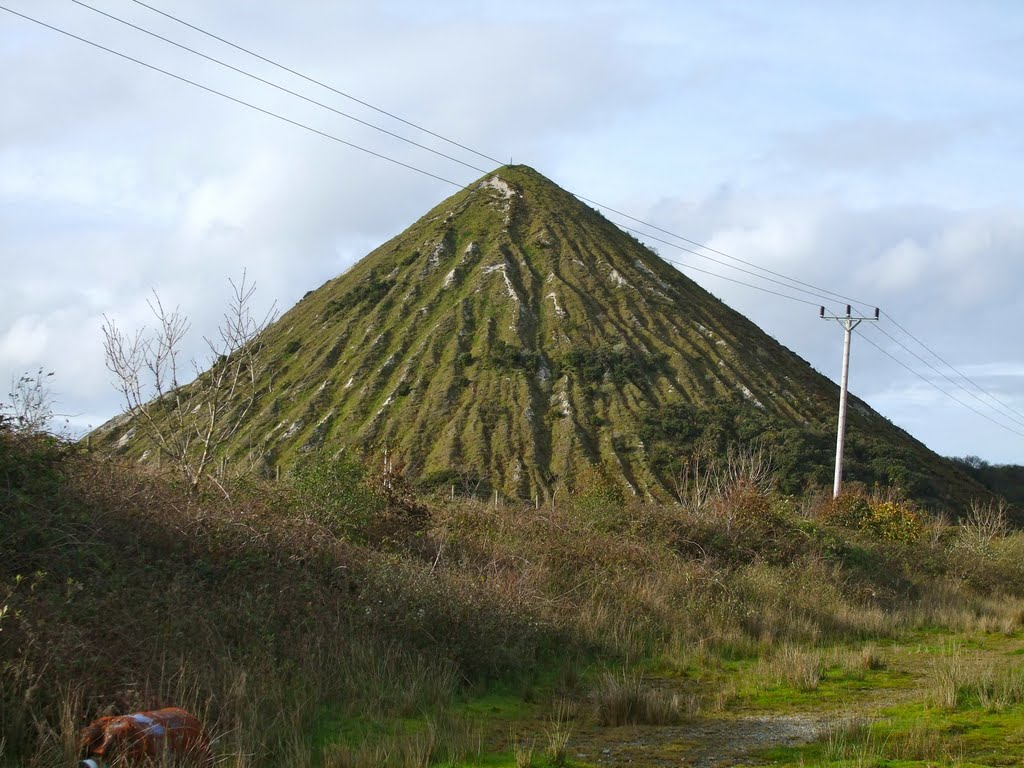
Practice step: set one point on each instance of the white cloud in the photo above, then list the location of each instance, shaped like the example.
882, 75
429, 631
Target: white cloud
21, 343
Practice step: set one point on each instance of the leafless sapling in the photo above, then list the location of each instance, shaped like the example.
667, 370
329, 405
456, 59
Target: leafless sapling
30, 410
189, 422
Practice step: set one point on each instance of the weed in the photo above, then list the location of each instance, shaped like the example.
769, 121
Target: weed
242, 609
522, 751
871, 659
557, 732
623, 698
799, 668
850, 739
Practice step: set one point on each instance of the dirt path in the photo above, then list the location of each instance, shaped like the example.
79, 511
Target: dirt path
728, 739
705, 743
734, 738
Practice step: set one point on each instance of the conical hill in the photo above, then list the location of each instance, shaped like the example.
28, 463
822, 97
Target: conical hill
513, 336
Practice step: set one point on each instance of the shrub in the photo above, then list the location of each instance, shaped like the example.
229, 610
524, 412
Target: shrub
796, 667
333, 491
890, 520
31, 463
982, 526
895, 521
848, 510
598, 498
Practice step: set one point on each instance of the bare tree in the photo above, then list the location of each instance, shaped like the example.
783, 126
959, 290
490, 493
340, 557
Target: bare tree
30, 410
188, 423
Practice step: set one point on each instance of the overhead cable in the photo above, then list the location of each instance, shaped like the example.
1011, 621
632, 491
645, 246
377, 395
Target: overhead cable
234, 99
277, 86
322, 84
791, 284
956, 384
837, 296
817, 291
953, 368
725, 264
936, 386
739, 282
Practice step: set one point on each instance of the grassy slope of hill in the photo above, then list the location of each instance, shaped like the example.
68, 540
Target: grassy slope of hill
324, 622
513, 336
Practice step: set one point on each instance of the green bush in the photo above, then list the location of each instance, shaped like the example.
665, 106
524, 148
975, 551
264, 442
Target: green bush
889, 520
620, 365
30, 463
598, 498
334, 491
848, 510
895, 521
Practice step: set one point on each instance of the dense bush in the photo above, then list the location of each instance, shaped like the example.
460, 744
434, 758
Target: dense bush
598, 498
510, 357
334, 491
30, 464
618, 364
803, 454
889, 520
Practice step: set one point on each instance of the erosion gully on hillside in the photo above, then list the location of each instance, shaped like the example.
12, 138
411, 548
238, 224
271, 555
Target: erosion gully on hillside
751, 730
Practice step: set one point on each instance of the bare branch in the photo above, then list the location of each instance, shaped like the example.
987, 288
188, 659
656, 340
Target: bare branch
31, 403
189, 423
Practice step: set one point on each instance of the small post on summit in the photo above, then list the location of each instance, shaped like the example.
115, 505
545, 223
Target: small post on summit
849, 322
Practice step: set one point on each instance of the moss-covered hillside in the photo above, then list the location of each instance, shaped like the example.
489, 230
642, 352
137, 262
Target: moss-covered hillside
513, 336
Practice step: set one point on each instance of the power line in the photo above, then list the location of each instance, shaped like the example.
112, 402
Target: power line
234, 99
449, 157
317, 82
936, 386
724, 264
817, 291
739, 282
385, 157
961, 374
943, 375
721, 253
791, 283
276, 85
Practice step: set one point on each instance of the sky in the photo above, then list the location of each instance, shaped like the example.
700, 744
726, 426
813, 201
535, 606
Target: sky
870, 148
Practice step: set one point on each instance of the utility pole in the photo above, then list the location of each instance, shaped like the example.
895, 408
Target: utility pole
849, 323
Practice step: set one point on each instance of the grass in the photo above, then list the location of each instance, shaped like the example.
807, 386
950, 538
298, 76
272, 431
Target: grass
557, 734
523, 751
624, 698
796, 667
961, 707
414, 638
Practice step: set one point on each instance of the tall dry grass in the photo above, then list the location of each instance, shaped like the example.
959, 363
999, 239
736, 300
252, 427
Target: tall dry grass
269, 621
625, 698
956, 678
